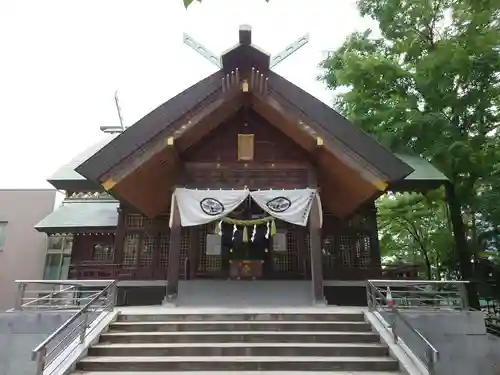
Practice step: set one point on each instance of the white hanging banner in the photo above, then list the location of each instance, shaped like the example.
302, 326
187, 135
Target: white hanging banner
320, 208
199, 207
292, 206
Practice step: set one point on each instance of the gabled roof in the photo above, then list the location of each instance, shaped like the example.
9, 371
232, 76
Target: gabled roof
245, 56
81, 215
340, 128
66, 178
157, 121
148, 145
425, 176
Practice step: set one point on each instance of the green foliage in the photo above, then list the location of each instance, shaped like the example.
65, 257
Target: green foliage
414, 230
431, 83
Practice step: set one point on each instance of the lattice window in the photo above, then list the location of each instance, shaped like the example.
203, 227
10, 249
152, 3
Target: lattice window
284, 262
355, 250
131, 248
135, 221
345, 246
147, 249
184, 249
207, 263
102, 252
330, 254
164, 245
363, 251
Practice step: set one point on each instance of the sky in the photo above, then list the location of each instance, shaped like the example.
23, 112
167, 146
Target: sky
61, 62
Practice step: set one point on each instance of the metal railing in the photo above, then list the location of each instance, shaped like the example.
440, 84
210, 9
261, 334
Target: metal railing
423, 295
67, 338
50, 295
407, 294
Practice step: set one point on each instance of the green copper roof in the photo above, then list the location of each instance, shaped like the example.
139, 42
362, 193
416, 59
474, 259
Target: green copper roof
423, 170
67, 171
78, 215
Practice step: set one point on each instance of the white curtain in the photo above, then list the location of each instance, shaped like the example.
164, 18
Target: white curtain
292, 206
199, 207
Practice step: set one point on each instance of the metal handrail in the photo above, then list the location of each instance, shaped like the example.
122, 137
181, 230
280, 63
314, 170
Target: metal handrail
453, 294
432, 353
48, 296
56, 294
41, 351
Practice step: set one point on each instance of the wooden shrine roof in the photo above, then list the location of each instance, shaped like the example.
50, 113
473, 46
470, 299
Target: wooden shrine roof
66, 178
155, 141
78, 215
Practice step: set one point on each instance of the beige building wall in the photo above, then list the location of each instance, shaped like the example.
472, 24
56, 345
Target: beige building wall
22, 255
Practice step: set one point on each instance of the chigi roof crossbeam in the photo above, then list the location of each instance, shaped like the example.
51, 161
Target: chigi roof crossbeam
254, 56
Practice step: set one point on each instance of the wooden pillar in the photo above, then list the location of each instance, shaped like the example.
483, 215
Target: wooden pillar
174, 253
375, 258
316, 254
194, 250
302, 253
120, 236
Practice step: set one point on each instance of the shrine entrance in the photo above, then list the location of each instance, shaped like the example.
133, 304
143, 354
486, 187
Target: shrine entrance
245, 235
251, 245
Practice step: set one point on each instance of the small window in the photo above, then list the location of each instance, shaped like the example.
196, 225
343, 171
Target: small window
245, 147
55, 244
102, 252
68, 244
3, 234
52, 267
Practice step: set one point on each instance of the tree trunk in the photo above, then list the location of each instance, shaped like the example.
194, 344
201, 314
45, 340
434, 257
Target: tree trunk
461, 246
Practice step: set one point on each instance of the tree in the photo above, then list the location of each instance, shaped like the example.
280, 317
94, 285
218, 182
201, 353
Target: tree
414, 229
431, 83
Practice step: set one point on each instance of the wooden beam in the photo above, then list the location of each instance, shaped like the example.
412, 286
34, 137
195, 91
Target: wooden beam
316, 254
174, 254
273, 112
120, 235
148, 188
166, 148
214, 111
194, 250
311, 136
202, 124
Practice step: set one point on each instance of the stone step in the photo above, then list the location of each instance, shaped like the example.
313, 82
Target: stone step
237, 364
243, 336
240, 373
240, 350
343, 317
186, 326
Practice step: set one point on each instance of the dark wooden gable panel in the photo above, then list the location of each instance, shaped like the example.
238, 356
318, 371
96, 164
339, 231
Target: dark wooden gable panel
149, 126
270, 144
341, 128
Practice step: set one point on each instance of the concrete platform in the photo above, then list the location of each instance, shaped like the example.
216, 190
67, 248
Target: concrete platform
245, 293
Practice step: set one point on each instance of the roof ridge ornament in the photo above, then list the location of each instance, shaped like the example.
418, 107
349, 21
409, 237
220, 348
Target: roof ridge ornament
245, 39
202, 50
289, 50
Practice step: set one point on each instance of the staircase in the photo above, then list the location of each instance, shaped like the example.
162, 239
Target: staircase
213, 342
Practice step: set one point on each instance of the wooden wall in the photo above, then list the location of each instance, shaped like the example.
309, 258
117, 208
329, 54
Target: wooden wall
350, 246
278, 161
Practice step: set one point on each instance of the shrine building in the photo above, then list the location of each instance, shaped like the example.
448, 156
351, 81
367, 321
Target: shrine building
242, 179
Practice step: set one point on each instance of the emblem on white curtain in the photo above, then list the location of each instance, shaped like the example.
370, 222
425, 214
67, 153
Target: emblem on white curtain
198, 207
292, 206
211, 206
279, 204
